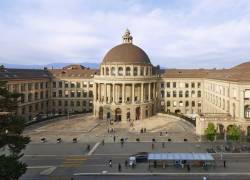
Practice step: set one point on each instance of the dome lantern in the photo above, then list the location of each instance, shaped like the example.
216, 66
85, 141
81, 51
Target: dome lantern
127, 38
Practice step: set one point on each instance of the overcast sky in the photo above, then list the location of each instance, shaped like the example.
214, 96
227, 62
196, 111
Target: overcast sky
174, 33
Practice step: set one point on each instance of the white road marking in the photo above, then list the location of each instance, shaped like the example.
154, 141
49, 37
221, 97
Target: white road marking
48, 171
93, 149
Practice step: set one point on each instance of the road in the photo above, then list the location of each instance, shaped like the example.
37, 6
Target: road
66, 160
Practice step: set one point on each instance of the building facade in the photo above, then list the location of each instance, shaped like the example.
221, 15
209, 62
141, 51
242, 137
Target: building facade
128, 87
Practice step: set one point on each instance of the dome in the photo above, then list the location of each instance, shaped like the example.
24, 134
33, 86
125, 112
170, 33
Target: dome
126, 53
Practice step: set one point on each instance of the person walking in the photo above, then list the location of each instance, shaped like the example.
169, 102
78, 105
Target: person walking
126, 163
114, 138
153, 146
110, 163
224, 163
119, 167
163, 144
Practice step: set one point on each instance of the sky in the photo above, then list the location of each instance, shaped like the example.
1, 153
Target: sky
174, 33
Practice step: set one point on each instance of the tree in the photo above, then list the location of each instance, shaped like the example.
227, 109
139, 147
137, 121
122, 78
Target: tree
233, 133
11, 138
210, 132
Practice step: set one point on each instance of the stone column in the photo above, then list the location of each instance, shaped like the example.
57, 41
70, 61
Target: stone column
142, 94
105, 92
149, 91
113, 93
123, 93
133, 93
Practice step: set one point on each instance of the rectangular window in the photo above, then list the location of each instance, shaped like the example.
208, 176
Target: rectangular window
78, 85
60, 84
54, 84
78, 93
174, 84
66, 84
30, 86
72, 94
168, 84
186, 85
85, 84
60, 93
174, 93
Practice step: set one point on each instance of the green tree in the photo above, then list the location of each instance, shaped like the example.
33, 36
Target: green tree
11, 138
210, 132
233, 133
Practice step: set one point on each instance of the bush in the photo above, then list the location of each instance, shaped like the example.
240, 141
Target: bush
210, 132
233, 132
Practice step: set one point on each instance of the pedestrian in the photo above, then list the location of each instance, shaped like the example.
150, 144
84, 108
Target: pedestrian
110, 163
145, 130
119, 167
224, 164
108, 130
163, 144
126, 163
153, 146
188, 167
114, 138
88, 147
103, 142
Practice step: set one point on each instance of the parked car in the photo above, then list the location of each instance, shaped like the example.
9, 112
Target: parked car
140, 157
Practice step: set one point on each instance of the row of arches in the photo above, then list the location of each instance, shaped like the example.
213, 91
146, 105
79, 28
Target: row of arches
127, 71
117, 114
222, 129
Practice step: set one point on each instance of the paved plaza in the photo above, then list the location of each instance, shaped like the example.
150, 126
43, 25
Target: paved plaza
86, 128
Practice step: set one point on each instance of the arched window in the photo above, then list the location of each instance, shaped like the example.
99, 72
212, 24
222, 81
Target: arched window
199, 94
180, 94
187, 103
146, 71
193, 93
142, 71
107, 71
247, 111
186, 93
120, 71
102, 70
113, 71
128, 70
135, 71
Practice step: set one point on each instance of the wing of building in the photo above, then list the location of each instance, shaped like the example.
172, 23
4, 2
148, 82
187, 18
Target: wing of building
128, 87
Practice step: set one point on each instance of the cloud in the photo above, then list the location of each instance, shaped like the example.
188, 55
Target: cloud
177, 33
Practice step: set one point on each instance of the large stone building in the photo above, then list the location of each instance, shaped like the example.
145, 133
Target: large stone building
128, 87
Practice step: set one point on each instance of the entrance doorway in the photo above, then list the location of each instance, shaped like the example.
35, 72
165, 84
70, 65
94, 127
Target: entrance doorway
118, 115
100, 112
137, 113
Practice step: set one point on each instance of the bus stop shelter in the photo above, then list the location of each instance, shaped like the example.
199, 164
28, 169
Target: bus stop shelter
180, 158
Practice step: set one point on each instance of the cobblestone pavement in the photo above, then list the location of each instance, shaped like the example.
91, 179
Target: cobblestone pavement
86, 128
